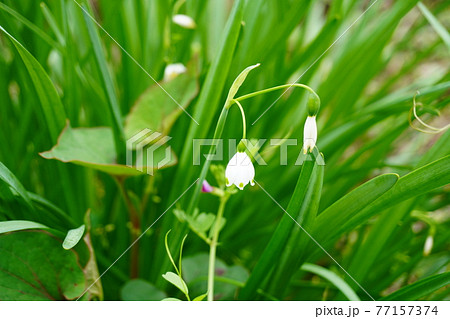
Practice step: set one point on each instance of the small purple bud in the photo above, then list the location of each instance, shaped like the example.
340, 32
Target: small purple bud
206, 188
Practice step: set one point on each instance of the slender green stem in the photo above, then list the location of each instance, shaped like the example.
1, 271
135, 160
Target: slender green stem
213, 247
135, 228
244, 125
279, 87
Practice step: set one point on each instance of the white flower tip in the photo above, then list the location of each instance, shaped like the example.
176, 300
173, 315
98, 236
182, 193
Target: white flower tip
428, 246
309, 134
173, 70
184, 21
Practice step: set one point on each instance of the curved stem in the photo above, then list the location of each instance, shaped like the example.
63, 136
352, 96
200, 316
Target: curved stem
213, 247
279, 87
244, 126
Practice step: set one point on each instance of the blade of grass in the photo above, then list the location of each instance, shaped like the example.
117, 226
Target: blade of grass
276, 245
349, 205
418, 182
292, 255
44, 36
51, 106
434, 22
333, 278
384, 227
108, 84
420, 288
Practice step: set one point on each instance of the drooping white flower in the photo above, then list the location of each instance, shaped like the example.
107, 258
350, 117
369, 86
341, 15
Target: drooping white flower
173, 70
309, 134
240, 171
184, 21
428, 245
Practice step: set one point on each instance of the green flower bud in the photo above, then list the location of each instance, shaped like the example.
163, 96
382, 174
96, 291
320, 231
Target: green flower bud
313, 104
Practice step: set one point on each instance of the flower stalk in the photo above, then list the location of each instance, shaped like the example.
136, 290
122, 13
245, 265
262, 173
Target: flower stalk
213, 245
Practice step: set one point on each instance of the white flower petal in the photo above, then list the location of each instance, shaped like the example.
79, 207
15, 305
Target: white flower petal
240, 171
309, 134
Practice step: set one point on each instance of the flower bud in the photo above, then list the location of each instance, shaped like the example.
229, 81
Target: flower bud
206, 188
313, 104
173, 70
428, 245
184, 21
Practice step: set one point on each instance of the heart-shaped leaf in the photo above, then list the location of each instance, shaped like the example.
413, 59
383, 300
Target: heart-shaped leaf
33, 266
15, 225
94, 148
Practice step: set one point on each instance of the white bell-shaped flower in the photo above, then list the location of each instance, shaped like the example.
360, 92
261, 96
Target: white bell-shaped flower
309, 134
173, 70
184, 21
240, 171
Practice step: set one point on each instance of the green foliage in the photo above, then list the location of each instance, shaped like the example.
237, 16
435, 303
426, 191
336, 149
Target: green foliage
141, 290
94, 148
155, 109
420, 288
57, 66
38, 272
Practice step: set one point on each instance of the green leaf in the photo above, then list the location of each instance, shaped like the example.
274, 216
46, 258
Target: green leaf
15, 225
171, 299
201, 297
333, 278
50, 103
34, 267
226, 280
44, 36
274, 248
156, 111
420, 288
437, 26
73, 237
418, 182
203, 222
349, 205
107, 82
238, 82
293, 254
140, 290
52, 215
175, 280
14, 185
94, 148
